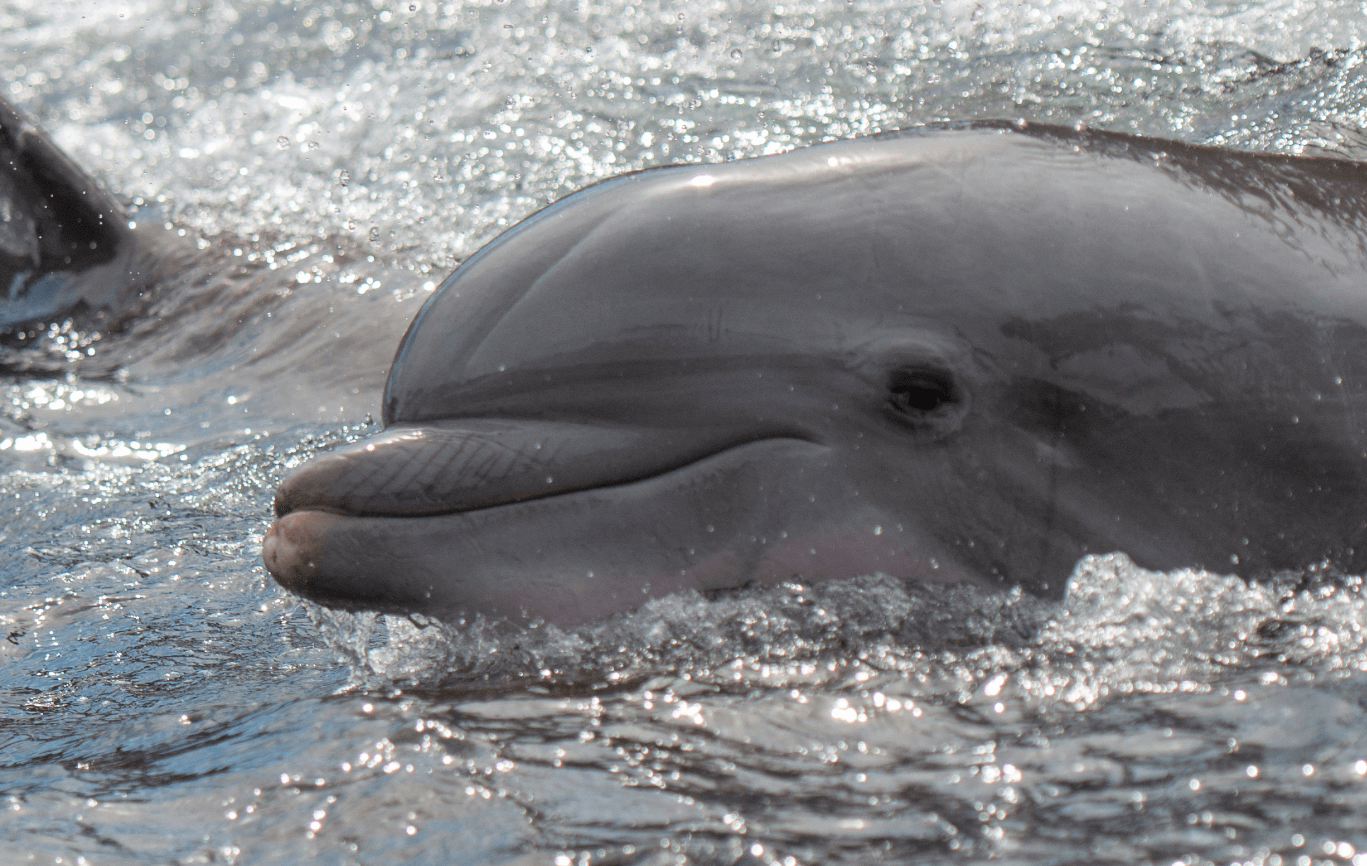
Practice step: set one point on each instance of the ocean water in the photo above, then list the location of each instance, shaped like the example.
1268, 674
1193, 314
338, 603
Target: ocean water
322, 166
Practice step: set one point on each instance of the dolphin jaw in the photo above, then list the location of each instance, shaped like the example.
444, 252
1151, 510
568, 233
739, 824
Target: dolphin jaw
495, 560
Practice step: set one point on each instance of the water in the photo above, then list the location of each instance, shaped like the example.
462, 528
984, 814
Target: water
326, 164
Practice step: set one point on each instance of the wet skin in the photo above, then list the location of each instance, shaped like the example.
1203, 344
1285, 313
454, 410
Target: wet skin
974, 352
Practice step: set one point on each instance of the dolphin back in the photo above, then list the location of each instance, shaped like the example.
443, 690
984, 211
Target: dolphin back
64, 245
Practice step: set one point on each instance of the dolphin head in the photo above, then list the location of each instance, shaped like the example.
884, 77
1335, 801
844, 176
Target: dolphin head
869, 356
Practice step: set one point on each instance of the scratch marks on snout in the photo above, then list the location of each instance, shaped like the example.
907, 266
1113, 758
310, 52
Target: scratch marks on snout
713, 323
429, 467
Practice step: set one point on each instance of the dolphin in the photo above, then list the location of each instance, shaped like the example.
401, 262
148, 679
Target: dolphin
970, 352
65, 247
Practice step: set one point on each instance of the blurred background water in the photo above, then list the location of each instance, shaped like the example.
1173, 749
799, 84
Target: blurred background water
326, 164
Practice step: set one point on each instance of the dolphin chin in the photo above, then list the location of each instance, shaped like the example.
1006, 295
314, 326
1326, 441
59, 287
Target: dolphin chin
968, 352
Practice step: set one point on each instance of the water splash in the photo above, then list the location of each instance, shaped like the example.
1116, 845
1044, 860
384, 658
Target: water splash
1120, 631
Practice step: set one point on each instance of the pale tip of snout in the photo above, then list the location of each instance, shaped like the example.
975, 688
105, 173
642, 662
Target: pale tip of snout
285, 550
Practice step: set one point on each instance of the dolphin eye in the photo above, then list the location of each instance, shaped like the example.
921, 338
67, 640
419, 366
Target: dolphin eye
929, 400
921, 392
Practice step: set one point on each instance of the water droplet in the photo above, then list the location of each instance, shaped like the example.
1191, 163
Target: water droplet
737, 54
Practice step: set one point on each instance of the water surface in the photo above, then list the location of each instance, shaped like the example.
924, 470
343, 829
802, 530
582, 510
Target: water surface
324, 165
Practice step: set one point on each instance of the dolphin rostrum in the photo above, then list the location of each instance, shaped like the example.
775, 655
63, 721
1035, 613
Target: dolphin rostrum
968, 352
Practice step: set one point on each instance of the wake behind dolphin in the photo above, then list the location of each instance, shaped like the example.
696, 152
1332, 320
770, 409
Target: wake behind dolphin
971, 352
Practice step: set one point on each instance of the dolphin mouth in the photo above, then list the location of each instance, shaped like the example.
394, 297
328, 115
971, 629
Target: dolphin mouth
469, 465
392, 527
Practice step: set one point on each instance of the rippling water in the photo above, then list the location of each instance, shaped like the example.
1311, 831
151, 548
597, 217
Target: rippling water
326, 164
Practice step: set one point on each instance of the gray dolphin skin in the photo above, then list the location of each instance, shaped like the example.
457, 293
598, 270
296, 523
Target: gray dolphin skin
969, 352
65, 247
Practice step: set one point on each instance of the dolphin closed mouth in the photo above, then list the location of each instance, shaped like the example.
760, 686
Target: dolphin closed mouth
383, 523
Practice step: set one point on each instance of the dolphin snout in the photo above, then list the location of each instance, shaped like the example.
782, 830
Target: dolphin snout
616, 545
472, 464
338, 559
289, 550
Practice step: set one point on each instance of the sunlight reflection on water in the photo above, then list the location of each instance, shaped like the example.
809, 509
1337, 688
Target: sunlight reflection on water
331, 161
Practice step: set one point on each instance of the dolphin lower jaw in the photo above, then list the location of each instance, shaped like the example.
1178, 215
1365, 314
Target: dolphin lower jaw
746, 514
443, 566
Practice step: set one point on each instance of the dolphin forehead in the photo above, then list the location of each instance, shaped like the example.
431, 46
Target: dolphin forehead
679, 263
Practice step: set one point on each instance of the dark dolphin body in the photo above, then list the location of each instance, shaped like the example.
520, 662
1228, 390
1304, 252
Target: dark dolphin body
968, 352
65, 247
